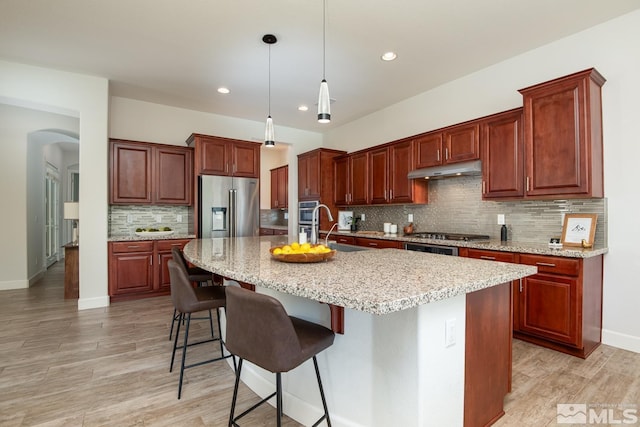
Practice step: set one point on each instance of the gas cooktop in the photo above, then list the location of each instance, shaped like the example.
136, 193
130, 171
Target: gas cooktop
449, 236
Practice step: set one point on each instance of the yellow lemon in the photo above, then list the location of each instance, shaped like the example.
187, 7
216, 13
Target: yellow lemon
277, 251
305, 247
286, 249
295, 245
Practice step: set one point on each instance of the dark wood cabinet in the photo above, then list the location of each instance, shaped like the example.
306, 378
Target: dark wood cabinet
71, 271
138, 269
561, 306
378, 243
351, 179
563, 136
146, 173
379, 175
280, 187
223, 156
458, 143
503, 156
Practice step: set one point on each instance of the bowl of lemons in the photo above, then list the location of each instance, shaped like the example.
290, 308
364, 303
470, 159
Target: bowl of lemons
301, 253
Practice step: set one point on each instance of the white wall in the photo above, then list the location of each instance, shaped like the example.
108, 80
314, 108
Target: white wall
85, 97
613, 49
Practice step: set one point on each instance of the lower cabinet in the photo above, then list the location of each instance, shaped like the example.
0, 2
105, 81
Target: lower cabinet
561, 306
379, 243
138, 269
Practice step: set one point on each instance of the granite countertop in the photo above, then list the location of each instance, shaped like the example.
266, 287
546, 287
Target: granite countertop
377, 281
491, 245
136, 238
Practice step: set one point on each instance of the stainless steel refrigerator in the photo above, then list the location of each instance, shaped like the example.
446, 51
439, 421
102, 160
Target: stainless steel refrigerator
229, 206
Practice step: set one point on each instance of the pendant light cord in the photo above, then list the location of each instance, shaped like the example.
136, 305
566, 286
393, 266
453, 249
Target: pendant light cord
269, 107
324, 38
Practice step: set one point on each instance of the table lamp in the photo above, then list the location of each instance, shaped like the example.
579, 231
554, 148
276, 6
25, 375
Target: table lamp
72, 212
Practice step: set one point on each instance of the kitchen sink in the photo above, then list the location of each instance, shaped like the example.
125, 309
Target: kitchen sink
343, 247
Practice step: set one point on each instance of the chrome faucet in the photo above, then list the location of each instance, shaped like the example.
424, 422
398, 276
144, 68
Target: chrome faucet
314, 222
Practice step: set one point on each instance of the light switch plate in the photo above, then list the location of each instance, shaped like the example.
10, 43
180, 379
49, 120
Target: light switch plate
361, 217
178, 218
501, 219
158, 218
410, 217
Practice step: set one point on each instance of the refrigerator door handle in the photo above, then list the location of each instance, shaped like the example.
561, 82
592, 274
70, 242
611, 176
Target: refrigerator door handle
233, 201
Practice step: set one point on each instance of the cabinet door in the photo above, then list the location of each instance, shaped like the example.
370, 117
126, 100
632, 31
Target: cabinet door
548, 308
131, 273
214, 157
309, 176
462, 143
429, 150
358, 179
503, 157
163, 255
341, 177
563, 136
400, 164
245, 159
283, 187
173, 175
274, 188
130, 173
379, 176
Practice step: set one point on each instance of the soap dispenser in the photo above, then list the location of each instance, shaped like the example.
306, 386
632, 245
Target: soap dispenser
503, 229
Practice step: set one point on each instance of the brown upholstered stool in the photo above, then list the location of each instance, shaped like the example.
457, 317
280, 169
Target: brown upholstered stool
187, 300
195, 274
260, 331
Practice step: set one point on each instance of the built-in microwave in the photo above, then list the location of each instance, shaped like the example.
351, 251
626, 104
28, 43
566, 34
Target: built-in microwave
305, 212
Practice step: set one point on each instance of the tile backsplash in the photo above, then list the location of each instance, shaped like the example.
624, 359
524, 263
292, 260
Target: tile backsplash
456, 205
145, 216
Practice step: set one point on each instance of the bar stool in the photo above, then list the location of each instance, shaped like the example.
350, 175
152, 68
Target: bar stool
195, 274
187, 300
260, 331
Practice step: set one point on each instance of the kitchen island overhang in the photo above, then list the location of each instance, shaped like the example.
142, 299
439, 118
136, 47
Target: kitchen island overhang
392, 366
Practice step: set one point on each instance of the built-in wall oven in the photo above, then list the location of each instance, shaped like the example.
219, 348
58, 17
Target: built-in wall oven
433, 249
305, 212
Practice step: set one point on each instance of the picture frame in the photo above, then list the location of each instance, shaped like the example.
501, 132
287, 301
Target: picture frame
579, 227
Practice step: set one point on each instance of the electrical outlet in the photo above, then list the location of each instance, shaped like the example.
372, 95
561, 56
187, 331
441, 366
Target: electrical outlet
501, 219
410, 217
449, 332
129, 219
178, 218
362, 217
158, 218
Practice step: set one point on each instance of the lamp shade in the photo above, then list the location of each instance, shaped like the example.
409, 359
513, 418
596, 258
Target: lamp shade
71, 210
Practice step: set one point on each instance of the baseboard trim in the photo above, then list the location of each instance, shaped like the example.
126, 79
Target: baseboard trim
89, 303
620, 340
7, 285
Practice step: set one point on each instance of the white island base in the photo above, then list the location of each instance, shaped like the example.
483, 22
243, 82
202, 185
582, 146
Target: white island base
401, 369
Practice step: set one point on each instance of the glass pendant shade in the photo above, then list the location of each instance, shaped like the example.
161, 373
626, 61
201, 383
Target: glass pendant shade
269, 136
324, 103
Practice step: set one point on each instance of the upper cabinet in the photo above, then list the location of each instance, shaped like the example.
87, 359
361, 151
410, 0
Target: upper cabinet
502, 155
144, 173
351, 179
563, 136
315, 174
454, 144
223, 156
280, 187
388, 169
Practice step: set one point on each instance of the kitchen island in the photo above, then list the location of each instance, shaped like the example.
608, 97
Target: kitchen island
427, 338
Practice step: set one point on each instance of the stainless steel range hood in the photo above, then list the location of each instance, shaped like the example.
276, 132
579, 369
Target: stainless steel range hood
455, 169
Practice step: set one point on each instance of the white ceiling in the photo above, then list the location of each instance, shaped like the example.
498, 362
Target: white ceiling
177, 52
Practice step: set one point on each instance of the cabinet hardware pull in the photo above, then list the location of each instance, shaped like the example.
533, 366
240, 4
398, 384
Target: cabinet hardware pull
175, 244
527, 183
545, 264
133, 247
438, 154
226, 167
484, 185
446, 154
373, 244
520, 285
391, 194
487, 257
150, 260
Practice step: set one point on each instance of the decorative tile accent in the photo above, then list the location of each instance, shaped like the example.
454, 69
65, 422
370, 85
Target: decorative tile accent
144, 216
456, 205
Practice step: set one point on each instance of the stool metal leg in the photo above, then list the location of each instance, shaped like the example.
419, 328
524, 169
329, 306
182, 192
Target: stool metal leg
235, 394
184, 353
278, 399
324, 402
175, 342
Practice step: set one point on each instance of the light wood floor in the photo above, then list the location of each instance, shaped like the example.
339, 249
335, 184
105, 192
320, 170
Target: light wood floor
109, 367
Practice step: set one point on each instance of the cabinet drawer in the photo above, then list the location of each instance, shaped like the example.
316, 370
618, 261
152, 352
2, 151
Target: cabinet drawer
146, 246
377, 243
166, 245
553, 265
348, 240
492, 255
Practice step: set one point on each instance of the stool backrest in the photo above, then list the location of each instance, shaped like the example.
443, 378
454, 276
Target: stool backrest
178, 257
182, 293
260, 331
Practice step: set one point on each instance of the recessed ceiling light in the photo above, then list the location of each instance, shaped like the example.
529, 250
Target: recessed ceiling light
388, 56
303, 108
223, 90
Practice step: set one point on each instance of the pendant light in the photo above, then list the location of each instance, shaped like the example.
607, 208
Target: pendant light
324, 103
269, 134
